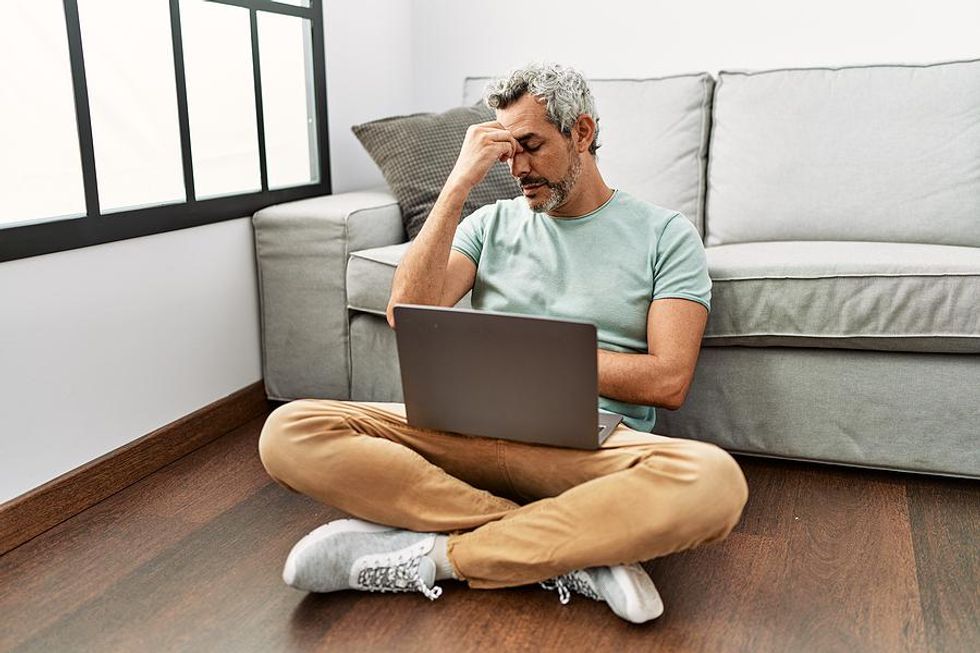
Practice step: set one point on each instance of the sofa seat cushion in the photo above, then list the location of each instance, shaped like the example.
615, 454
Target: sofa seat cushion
849, 295
852, 295
369, 276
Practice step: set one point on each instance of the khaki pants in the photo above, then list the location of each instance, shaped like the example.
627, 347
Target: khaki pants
516, 513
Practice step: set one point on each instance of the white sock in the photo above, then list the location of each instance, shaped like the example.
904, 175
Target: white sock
444, 568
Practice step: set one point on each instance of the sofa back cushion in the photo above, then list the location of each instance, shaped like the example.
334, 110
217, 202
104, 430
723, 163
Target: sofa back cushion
652, 135
876, 153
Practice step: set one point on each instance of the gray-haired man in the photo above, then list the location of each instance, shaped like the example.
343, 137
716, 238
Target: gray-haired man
496, 513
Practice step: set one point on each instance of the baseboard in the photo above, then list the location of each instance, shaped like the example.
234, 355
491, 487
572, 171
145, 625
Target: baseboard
34, 512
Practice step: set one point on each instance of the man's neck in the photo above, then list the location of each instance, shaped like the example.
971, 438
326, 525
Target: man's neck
589, 194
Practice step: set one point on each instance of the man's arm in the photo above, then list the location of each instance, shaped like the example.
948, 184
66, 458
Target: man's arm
663, 376
421, 275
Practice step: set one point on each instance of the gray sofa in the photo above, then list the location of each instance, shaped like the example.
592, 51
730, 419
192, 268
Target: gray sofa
840, 210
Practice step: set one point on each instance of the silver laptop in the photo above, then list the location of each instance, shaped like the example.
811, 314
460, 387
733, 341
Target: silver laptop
501, 375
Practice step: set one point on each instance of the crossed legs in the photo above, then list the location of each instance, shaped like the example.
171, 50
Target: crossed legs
516, 513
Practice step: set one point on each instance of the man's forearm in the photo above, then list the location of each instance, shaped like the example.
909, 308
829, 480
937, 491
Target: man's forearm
421, 274
638, 379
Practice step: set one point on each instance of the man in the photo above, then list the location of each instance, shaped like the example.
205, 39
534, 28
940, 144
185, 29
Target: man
495, 513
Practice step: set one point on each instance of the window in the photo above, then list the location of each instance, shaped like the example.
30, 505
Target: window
40, 137
130, 119
287, 100
220, 98
132, 103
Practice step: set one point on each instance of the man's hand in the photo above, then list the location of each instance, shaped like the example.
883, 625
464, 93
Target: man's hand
485, 144
423, 273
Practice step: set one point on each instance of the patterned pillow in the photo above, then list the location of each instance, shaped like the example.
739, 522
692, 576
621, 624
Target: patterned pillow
416, 153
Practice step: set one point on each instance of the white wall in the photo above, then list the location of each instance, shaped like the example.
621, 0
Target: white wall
101, 345
369, 76
618, 38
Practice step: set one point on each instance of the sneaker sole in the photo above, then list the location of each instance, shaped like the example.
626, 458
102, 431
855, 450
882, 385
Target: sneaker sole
318, 534
643, 601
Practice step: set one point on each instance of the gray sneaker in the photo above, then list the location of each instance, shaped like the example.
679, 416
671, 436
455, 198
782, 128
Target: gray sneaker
627, 589
360, 555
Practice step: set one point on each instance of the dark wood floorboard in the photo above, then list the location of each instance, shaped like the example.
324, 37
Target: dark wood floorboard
946, 533
189, 559
822, 560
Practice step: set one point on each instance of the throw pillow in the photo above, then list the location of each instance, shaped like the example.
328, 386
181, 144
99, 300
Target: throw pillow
416, 153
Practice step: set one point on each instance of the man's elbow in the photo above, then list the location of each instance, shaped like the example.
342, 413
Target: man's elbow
672, 403
676, 395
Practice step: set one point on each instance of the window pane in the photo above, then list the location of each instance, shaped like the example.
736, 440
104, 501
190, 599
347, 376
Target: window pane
286, 64
40, 163
129, 67
217, 43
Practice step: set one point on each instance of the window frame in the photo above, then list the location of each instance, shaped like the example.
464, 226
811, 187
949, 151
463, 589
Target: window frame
95, 228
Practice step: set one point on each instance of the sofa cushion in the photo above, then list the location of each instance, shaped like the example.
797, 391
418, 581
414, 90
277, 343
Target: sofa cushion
837, 295
416, 153
369, 276
853, 295
884, 153
653, 136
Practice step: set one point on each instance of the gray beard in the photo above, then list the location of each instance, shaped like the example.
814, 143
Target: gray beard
561, 189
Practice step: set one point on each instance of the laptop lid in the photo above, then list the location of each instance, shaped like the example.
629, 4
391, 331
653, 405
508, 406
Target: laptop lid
501, 375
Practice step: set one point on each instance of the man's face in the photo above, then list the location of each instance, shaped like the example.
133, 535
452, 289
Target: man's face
548, 165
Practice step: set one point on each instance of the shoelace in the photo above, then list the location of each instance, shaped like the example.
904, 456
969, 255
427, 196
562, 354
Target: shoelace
401, 575
570, 581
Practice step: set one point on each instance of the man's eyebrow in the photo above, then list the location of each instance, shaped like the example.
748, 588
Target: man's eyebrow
525, 138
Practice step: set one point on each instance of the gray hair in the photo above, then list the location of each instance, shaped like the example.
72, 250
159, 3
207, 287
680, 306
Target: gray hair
564, 91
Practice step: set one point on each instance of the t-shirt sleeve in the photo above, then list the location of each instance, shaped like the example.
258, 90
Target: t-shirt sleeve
470, 232
681, 267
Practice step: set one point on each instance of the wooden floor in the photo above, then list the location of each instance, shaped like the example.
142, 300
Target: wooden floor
189, 559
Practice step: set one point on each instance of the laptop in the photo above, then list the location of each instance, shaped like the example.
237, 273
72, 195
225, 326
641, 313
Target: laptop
501, 375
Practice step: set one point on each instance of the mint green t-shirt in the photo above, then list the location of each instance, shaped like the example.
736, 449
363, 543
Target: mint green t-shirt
604, 267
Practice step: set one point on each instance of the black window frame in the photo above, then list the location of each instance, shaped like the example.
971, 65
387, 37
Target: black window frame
94, 228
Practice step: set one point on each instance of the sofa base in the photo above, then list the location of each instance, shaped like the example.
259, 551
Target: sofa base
902, 411
836, 463
906, 411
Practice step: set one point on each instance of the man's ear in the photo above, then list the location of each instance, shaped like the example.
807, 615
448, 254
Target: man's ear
584, 130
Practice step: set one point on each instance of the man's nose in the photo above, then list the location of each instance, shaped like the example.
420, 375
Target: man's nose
520, 164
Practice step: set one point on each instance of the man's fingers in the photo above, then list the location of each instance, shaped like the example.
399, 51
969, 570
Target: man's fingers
504, 136
493, 129
484, 142
494, 135
505, 150
499, 135
487, 127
